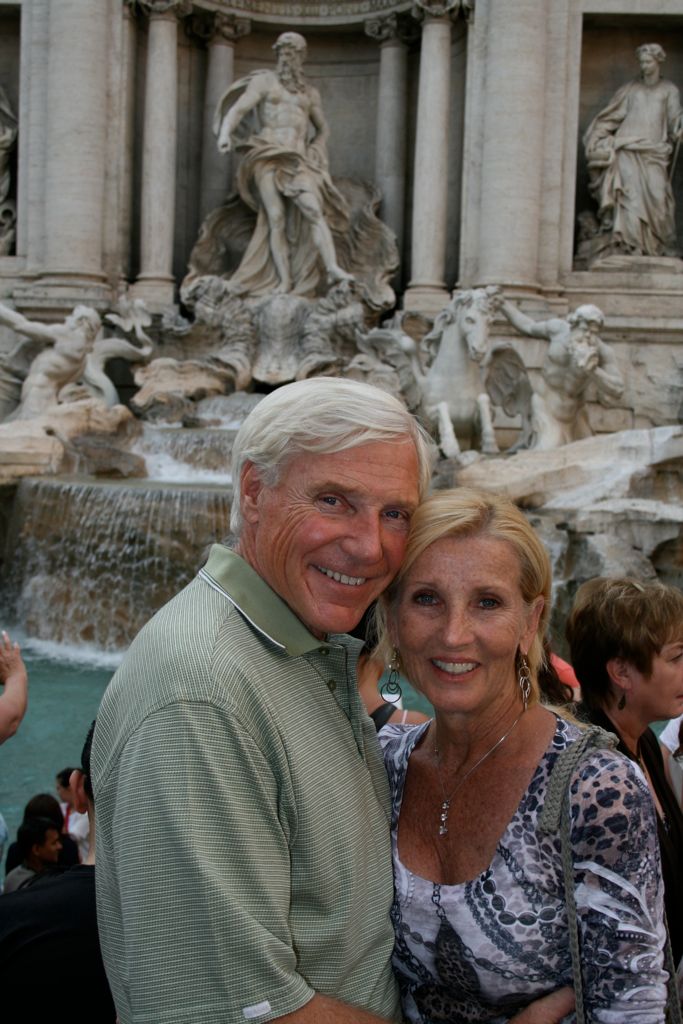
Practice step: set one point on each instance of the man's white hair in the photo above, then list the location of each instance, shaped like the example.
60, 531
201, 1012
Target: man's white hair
321, 416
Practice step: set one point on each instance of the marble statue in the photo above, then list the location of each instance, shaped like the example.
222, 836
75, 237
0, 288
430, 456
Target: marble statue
629, 147
276, 118
452, 390
8, 137
62, 361
553, 405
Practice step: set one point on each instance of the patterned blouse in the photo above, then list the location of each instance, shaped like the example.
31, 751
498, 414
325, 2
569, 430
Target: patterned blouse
480, 950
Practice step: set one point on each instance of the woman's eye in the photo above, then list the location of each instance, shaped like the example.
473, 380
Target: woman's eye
423, 598
488, 602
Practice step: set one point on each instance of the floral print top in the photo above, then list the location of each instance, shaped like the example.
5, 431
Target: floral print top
481, 950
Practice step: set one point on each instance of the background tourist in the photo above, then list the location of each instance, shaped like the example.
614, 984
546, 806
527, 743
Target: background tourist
45, 805
626, 641
14, 692
76, 823
39, 845
480, 916
49, 929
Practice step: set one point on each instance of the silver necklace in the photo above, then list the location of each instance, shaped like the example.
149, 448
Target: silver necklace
446, 803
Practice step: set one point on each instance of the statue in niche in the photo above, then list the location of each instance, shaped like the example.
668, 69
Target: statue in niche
277, 119
629, 148
8, 210
552, 406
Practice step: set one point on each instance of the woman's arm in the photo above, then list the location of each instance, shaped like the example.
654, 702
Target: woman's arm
619, 892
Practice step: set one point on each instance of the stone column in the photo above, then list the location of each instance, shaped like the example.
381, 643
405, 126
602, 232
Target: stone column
155, 283
390, 145
512, 151
427, 290
75, 151
215, 172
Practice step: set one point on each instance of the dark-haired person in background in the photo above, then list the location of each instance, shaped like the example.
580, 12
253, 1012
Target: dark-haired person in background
626, 641
49, 928
39, 846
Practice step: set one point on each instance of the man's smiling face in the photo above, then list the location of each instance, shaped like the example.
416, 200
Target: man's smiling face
330, 535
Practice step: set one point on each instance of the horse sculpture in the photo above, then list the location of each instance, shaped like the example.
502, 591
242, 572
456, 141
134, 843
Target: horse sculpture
453, 393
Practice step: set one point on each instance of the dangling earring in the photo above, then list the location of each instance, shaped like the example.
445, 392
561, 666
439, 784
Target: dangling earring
524, 679
390, 690
621, 703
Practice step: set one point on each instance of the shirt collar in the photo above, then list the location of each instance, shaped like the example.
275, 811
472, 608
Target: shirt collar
228, 573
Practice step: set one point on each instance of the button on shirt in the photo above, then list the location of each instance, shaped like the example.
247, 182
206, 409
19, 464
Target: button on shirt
243, 848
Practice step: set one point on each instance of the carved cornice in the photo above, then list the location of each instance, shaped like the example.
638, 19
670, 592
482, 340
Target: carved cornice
293, 13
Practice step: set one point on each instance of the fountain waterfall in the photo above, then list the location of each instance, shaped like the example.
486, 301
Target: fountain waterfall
92, 561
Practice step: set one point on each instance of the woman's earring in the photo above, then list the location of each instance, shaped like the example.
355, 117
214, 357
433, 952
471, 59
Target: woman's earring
621, 703
390, 690
524, 679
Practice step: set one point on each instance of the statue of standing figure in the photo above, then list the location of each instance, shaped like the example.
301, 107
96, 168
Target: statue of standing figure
276, 117
629, 148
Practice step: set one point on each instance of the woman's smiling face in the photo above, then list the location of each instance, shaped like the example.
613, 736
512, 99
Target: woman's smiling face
459, 620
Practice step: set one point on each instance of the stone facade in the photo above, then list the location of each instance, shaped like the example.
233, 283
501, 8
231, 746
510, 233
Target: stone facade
467, 116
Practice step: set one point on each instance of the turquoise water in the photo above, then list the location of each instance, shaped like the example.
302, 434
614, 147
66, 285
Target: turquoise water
65, 688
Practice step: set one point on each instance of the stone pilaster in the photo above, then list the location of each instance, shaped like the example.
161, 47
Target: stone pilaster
512, 150
390, 151
155, 283
216, 167
427, 289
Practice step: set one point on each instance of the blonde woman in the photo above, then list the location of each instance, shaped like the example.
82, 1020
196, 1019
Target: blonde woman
480, 916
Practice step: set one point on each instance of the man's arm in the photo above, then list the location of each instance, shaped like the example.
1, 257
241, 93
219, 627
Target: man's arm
14, 697
524, 323
39, 332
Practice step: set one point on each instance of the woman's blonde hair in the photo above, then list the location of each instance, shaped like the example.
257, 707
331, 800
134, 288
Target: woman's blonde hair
464, 512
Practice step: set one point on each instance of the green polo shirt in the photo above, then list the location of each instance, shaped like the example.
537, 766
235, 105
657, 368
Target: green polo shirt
243, 851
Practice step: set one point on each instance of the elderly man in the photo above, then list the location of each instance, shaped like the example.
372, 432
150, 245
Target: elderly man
244, 868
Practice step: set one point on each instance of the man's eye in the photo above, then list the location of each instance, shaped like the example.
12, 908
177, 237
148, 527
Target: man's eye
329, 499
489, 602
396, 513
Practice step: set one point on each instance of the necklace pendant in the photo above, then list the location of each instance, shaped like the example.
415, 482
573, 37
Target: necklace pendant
443, 818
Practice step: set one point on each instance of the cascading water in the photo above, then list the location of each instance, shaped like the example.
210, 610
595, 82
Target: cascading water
90, 562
